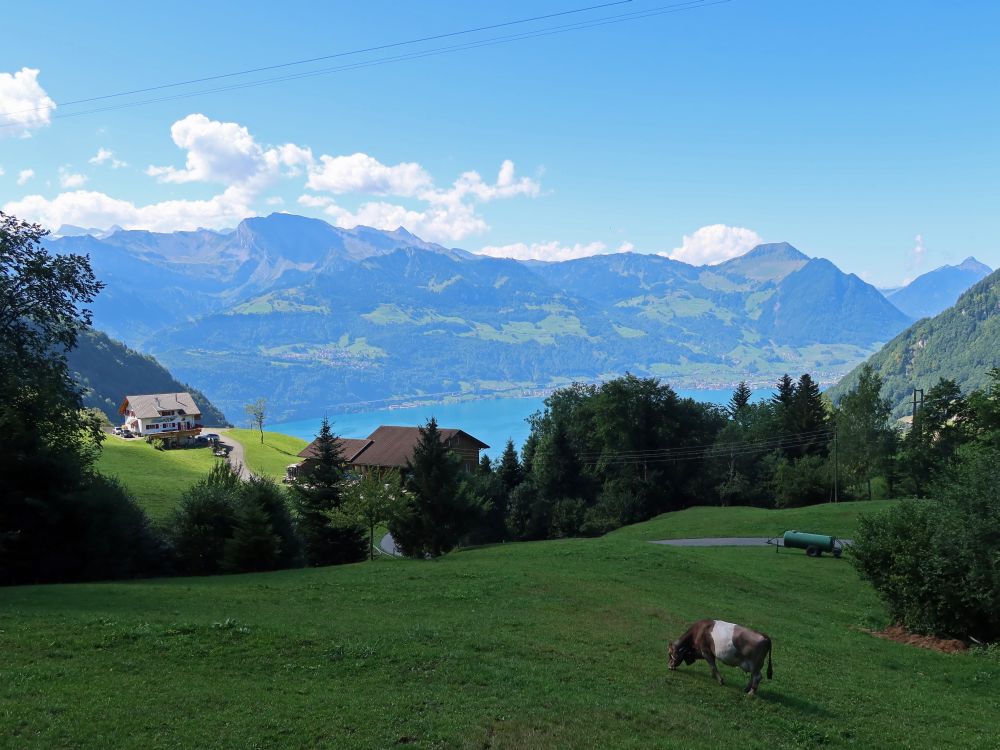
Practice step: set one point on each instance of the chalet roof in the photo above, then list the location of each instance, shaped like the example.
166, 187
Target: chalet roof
350, 447
392, 446
151, 404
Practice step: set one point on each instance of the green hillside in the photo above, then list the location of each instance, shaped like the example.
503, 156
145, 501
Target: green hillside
962, 344
109, 371
157, 479
540, 645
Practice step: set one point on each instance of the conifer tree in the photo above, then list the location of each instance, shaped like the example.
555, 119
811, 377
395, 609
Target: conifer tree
865, 437
809, 416
509, 470
254, 546
318, 497
485, 465
784, 403
438, 511
740, 399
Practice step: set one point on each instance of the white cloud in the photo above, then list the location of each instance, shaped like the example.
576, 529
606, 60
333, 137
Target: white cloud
2, 172
93, 209
714, 244
71, 180
24, 175
275, 200
24, 105
551, 251
226, 153
361, 173
106, 155
918, 254
447, 215
434, 223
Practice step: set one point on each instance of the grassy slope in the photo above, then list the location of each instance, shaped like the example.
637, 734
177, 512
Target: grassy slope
271, 457
551, 644
837, 519
156, 478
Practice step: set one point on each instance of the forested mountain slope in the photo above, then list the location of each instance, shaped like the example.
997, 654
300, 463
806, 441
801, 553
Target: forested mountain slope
109, 371
962, 344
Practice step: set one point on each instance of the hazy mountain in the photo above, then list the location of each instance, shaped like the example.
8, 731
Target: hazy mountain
108, 370
937, 290
315, 317
962, 343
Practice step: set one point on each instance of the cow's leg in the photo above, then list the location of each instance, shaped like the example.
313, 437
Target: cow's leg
751, 687
715, 670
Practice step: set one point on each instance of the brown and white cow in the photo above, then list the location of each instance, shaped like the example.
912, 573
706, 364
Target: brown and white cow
717, 640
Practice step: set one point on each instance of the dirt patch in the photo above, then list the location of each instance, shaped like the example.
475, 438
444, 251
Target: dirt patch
900, 635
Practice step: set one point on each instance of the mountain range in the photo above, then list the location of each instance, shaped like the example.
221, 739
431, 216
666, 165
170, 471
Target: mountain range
937, 290
318, 318
962, 344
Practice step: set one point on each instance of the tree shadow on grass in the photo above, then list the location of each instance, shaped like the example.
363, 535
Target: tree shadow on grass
799, 705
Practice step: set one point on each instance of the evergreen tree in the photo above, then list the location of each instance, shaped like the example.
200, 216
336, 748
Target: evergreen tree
509, 470
438, 511
272, 499
253, 546
318, 498
204, 520
809, 417
866, 439
485, 465
740, 400
784, 403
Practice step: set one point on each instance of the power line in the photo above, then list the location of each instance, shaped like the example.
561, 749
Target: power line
806, 436
593, 23
334, 55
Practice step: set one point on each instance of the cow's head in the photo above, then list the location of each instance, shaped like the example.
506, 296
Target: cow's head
679, 653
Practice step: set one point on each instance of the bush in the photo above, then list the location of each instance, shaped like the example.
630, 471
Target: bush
934, 563
803, 481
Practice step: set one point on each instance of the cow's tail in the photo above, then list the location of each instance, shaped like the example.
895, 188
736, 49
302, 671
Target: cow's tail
770, 672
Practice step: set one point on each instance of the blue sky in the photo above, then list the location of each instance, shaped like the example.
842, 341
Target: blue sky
868, 133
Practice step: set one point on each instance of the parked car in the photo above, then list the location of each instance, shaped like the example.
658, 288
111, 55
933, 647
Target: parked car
127, 433
201, 440
211, 436
118, 430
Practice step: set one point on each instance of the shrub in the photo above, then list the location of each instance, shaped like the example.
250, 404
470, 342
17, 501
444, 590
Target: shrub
801, 481
935, 563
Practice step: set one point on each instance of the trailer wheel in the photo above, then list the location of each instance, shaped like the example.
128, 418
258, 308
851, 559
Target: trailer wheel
837, 552
813, 551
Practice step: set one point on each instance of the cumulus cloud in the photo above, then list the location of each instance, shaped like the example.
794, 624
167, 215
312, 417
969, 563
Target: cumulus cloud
69, 179
550, 251
918, 254
24, 105
24, 175
226, 153
105, 155
93, 209
361, 173
445, 214
714, 244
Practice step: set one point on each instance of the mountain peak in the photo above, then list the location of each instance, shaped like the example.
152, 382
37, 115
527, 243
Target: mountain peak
971, 264
776, 250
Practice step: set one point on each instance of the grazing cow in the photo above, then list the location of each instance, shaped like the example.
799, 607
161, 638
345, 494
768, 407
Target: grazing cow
715, 640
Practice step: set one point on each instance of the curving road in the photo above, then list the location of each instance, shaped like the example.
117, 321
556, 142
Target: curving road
726, 541
237, 457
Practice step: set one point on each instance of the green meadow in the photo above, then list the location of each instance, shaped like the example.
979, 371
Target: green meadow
157, 479
533, 645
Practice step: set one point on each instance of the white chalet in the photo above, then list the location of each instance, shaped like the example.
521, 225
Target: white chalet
175, 417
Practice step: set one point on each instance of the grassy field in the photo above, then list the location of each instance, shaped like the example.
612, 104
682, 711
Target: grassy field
837, 519
156, 478
541, 645
273, 455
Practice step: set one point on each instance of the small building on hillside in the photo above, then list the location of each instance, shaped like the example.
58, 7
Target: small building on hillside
174, 417
391, 447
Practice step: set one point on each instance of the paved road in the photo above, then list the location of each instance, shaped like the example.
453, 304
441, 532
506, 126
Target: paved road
236, 455
718, 541
724, 541
388, 545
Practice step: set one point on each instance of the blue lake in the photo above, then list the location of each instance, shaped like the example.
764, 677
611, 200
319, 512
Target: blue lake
493, 420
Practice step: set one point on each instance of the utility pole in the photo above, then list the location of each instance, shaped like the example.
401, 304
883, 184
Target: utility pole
836, 465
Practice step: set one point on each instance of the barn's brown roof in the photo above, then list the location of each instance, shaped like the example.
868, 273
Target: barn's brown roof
349, 447
151, 404
392, 446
